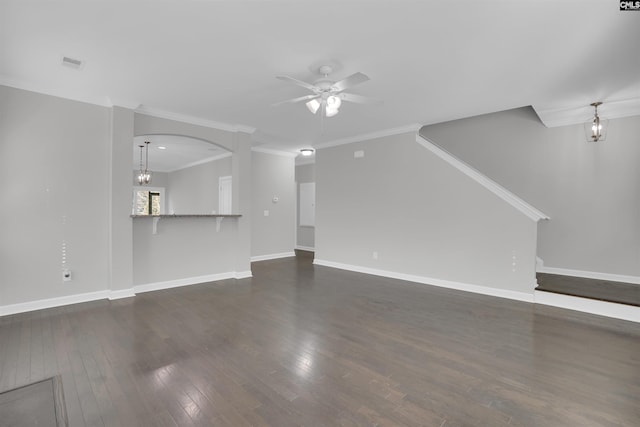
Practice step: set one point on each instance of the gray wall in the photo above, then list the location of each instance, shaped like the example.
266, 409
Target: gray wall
239, 143
305, 236
119, 230
590, 190
421, 215
53, 191
194, 190
182, 248
272, 176
66, 194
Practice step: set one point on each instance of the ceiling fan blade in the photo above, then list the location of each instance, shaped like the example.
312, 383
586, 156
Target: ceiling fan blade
297, 82
294, 100
350, 97
352, 80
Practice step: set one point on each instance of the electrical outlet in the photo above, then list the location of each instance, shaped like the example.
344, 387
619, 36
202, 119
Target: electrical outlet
66, 275
375, 254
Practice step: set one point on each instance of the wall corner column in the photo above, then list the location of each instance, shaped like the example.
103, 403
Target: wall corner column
242, 199
120, 223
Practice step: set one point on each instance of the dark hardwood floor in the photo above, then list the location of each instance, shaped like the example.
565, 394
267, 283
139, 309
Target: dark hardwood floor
602, 290
299, 344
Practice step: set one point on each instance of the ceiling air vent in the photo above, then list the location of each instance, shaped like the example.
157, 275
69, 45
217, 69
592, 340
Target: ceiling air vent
71, 62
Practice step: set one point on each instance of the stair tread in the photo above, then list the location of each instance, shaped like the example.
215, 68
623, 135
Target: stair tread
603, 290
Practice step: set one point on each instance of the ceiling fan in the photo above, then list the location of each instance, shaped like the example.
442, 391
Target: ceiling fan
327, 94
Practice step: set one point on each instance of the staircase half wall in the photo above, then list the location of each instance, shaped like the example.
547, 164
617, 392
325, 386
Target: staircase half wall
398, 206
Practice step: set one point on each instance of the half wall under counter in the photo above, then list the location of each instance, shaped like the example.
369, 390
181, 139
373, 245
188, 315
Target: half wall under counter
178, 250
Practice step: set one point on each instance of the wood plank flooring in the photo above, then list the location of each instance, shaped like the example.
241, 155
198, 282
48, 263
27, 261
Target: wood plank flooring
299, 344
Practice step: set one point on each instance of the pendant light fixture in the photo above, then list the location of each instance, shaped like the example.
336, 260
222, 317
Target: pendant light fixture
144, 176
596, 128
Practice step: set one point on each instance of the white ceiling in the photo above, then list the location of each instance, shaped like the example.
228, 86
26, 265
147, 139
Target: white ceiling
429, 61
177, 152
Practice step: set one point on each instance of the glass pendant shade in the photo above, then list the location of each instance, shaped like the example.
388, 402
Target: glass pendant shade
313, 105
331, 112
331, 104
596, 128
334, 102
144, 176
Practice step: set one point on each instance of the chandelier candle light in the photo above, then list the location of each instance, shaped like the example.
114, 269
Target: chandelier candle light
596, 128
144, 176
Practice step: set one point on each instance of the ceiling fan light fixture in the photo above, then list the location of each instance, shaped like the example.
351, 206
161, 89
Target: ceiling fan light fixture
334, 102
313, 105
330, 112
327, 94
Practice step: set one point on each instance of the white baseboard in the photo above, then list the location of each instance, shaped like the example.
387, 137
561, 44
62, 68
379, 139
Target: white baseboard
122, 293
590, 274
272, 256
586, 305
52, 302
243, 274
478, 289
7, 310
601, 308
306, 248
148, 287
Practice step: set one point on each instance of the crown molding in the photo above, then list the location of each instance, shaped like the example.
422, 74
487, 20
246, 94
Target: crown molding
162, 114
245, 129
515, 201
555, 117
107, 101
124, 103
274, 152
29, 87
413, 127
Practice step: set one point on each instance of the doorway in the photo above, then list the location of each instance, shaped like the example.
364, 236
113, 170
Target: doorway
225, 195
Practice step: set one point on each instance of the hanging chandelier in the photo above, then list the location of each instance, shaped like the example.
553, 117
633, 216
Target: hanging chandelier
596, 128
144, 176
